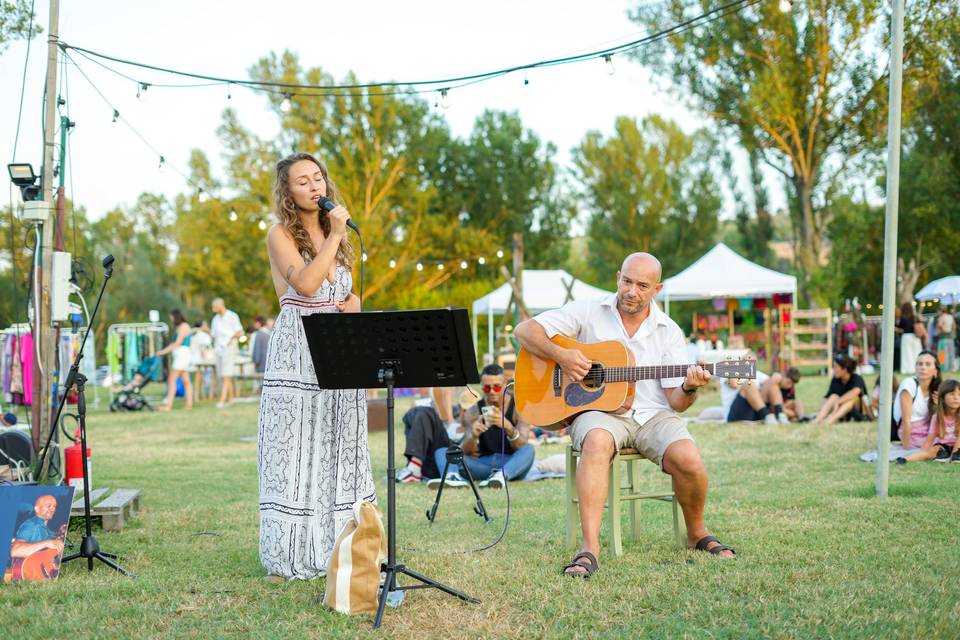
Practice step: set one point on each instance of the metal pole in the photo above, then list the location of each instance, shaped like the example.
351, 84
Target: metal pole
890, 249
45, 349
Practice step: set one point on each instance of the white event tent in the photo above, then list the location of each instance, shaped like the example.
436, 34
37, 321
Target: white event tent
543, 289
724, 273
945, 290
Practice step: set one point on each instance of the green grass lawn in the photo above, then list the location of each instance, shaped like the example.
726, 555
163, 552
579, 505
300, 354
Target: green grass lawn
819, 555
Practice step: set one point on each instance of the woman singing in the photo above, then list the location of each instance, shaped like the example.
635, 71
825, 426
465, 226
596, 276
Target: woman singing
312, 445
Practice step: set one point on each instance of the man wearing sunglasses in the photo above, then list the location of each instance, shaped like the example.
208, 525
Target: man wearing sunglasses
497, 441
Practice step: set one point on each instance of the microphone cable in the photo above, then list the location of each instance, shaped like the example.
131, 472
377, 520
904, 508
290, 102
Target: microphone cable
506, 481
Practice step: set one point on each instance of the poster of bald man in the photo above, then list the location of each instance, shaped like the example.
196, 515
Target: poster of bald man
33, 526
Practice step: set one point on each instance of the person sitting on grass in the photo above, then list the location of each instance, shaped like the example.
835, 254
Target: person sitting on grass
427, 428
941, 442
916, 401
763, 399
846, 392
497, 442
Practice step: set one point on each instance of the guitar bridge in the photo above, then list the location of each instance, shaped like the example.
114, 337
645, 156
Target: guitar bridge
557, 376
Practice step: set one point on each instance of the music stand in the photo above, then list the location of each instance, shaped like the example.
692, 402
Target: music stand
427, 348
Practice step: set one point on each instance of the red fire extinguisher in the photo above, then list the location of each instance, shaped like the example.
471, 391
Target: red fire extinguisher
73, 472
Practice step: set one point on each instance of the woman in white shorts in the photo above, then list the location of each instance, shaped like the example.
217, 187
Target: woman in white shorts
181, 361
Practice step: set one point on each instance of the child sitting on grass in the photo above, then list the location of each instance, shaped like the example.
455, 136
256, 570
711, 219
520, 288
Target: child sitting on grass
941, 442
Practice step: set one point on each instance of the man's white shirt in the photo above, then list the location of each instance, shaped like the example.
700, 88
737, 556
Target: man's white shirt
658, 341
223, 327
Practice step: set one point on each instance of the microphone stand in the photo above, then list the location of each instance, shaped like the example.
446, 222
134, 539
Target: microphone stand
89, 547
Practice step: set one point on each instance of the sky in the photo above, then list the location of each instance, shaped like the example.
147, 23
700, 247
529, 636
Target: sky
415, 40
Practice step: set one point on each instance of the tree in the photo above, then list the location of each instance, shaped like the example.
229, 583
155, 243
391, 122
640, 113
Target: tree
16, 22
508, 181
652, 188
803, 89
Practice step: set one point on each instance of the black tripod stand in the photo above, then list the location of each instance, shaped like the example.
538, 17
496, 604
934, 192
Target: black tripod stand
429, 348
89, 547
455, 456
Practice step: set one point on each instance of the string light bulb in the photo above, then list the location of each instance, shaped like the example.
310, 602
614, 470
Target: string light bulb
116, 116
419, 266
364, 256
500, 253
463, 264
286, 104
162, 160
229, 91
393, 264
262, 225
482, 260
233, 216
786, 6
610, 68
201, 194
142, 91
440, 267
445, 98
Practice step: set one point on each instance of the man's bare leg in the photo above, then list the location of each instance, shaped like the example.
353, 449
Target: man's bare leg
752, 395
683, 462
593, 478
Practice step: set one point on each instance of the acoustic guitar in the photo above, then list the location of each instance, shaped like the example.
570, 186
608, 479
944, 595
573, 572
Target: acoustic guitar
41, 565
545, 395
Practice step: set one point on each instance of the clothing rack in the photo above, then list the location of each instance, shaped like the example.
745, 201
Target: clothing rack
139, 340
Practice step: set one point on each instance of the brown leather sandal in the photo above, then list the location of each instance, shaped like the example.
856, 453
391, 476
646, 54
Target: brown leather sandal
590, 566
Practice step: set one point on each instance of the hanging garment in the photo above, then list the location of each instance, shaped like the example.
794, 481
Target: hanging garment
26, 366
113, 354
131, 356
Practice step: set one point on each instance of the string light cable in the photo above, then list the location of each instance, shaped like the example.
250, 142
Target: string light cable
412, 86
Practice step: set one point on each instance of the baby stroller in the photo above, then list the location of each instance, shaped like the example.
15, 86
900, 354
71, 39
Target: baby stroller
128, 396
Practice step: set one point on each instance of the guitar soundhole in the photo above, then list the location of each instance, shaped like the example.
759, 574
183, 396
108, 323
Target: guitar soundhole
595, 377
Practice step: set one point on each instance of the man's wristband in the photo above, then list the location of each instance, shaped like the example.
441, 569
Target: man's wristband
515, 436
689, 392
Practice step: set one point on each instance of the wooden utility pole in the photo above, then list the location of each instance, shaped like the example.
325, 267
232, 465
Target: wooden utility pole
45, 349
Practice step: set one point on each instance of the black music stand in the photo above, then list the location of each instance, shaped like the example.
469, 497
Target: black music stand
428, 348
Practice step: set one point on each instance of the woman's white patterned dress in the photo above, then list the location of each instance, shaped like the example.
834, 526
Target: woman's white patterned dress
313, 459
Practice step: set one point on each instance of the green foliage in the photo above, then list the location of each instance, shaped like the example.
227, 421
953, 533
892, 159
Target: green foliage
16, 22
802, 89
651, 188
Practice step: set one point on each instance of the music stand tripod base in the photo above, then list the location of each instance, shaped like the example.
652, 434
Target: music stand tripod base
427, 348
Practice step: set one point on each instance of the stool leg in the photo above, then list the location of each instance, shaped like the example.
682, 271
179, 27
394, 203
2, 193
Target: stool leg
633, 473
613, 508
573, 507
680, 537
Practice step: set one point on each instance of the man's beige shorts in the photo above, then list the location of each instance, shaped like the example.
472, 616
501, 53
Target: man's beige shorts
651, 439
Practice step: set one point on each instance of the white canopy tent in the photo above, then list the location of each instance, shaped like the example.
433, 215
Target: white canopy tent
945, 290
724, 273
543, 289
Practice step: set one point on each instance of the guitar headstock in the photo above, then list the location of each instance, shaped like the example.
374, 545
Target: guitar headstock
740, 369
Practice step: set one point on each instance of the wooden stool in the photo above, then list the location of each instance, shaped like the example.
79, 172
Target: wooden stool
615, 495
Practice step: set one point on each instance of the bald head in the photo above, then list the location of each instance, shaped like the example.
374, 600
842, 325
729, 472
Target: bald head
645, 263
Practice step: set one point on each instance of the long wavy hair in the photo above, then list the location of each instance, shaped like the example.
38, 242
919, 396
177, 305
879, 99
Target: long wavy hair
289, 216
934, 383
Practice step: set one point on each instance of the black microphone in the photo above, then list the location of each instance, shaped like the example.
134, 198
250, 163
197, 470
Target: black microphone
107, 266
329, 205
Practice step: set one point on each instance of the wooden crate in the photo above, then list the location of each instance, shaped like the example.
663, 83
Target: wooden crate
113, 508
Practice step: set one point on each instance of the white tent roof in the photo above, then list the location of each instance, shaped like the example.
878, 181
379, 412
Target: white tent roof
946, 290
543, 289
724, 273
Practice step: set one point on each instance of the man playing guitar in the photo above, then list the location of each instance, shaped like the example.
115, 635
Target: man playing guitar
651, 424
34, 537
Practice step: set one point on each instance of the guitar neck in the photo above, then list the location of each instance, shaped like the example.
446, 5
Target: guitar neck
651, 372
